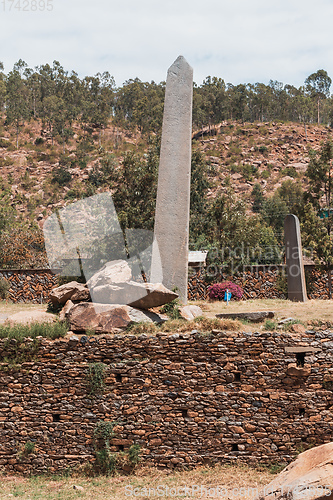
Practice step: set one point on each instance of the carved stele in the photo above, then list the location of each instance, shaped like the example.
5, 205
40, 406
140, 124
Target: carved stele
294, 260
174, 177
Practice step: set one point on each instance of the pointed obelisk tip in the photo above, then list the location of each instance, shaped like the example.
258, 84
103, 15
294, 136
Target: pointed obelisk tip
180, 64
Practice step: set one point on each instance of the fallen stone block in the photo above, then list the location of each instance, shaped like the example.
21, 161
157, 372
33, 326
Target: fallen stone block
139, 295
254, 317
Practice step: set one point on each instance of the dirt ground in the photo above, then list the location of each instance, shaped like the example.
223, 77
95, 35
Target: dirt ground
303, 311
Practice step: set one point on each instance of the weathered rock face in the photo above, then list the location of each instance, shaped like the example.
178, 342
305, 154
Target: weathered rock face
62, 293
106, 318
116, 271
190, 312
310, 477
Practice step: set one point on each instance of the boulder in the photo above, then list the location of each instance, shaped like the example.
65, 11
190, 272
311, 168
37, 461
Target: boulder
115, 271
255, 317
106, 318
139, 295
190, 312
62, 293
156, 295
65, 310
29, 317
309, 477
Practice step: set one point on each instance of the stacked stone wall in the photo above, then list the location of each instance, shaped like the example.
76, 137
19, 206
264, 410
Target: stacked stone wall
260, 282
29, 285
185, 399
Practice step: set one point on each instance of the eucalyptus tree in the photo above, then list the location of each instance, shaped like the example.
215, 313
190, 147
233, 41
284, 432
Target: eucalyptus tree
318, 86
17, 98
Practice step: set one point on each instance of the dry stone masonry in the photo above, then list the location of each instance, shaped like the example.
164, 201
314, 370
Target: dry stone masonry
184, 398
30, 285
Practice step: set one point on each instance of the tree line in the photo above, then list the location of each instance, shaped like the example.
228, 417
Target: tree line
58, 98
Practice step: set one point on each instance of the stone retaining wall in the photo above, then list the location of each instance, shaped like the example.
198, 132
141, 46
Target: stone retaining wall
185, 399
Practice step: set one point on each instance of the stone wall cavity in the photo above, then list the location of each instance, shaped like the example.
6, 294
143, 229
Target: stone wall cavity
184, 398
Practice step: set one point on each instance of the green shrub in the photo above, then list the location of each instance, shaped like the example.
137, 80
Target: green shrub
61, 176
134, 454
270, 325
105, 460
95, 378
172, 308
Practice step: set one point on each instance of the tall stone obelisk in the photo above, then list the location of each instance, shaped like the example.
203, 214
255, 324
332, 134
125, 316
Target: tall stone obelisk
174, 179
294, 260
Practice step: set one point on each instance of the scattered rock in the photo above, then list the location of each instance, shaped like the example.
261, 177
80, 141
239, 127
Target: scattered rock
106, 318
310, 476
250, 316
190, 312
79, 488
286, 320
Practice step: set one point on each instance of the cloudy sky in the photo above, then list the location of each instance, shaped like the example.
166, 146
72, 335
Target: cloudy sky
240, 41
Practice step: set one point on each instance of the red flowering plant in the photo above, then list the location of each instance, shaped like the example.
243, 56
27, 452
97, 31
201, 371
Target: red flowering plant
217, 291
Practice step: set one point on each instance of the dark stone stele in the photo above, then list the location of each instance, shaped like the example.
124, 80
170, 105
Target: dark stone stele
294, 260
255, 317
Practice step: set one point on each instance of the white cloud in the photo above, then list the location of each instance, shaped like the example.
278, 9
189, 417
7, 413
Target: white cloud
238, 40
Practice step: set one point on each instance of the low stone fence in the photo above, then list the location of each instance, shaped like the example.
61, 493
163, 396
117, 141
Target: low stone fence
260, 282
29, 285
185, 399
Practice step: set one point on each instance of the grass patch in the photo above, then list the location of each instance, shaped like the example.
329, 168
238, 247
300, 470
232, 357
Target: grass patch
270, 325
47, 330
121, 486
201, 324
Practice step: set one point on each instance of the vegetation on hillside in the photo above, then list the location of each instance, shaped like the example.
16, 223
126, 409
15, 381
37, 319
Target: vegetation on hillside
63, 138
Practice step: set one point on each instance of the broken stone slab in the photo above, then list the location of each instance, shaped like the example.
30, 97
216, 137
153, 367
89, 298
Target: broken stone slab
309, 477
156, 295
139, 295
61, 294
255, 317
190, 312
115, 271
106, 318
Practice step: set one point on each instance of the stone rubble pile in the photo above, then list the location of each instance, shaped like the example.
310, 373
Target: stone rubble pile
110, 300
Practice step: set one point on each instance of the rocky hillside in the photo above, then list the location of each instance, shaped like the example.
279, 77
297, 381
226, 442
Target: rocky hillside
239, 155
